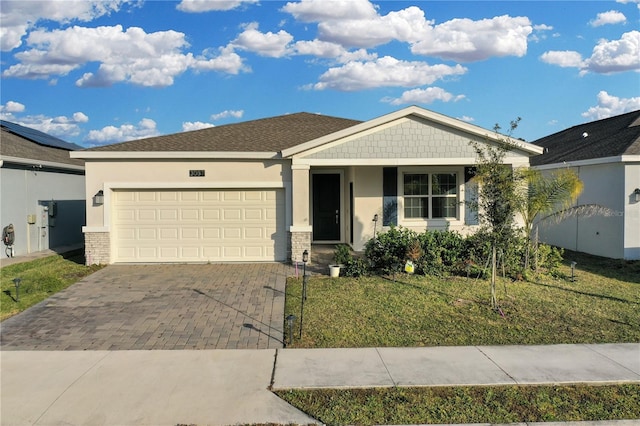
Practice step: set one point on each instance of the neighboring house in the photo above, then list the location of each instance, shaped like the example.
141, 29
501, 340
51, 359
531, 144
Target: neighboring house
606, 156
265, 190
42, 190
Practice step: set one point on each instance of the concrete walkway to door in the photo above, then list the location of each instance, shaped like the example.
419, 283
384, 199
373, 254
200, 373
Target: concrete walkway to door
168, 307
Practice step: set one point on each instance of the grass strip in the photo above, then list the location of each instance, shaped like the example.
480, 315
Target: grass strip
40, 279
601, 306
495, 404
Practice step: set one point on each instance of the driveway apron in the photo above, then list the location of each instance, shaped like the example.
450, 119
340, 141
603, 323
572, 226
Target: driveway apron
167, 307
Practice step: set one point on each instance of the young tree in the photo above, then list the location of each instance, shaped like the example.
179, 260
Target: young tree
495, 201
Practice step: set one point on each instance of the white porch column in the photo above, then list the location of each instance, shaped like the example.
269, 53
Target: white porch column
300, 231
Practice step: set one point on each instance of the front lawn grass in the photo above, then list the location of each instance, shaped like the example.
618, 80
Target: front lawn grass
602, 305
40, 279
494, 404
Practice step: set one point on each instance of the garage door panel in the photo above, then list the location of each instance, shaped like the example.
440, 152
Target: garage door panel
169, 234
211, 214
169, 253
146, 215
190, 253
253, 214
232, 214
190, 233
199, 226
147, 196
189, 214
209, 234
253, 233
147, 234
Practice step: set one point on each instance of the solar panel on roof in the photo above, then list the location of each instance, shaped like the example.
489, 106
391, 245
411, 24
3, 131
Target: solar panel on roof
38, 136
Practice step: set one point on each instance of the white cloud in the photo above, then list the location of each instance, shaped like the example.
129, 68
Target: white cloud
407, 25
358, 24
18, 16
424, 96
188, 126
384, 72
198, 6
465, 40
608, 56
11, 107
146, 59
609, 106
323, 10
275, 45
543, 27
616, 55
227, 114
60, 126
566, 58
126, 132
610, 17
629, 1
80, 117
326, 49
467, 119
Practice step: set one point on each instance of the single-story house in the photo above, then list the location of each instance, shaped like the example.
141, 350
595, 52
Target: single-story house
266, 190
42, 190
606, 156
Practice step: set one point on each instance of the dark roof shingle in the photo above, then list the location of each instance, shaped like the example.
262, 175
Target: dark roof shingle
610, 137
263, 135
14, 145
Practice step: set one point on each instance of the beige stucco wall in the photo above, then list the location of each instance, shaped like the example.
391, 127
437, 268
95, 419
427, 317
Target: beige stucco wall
599, 235
171, 174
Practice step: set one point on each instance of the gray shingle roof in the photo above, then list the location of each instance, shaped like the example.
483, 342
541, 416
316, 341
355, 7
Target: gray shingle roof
264, 135
610, 137
14, 145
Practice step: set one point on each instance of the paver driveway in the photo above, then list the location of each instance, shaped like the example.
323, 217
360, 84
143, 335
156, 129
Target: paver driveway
123, 307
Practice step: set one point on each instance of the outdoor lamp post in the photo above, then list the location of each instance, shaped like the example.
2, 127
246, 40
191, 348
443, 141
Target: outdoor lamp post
290, 319
16, 282
375, 225
305, 259
573, 267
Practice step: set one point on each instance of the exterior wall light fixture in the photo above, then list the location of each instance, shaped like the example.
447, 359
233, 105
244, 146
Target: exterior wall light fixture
98, 199
636, 194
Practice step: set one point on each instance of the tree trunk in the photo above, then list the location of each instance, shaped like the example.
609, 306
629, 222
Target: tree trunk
494, 302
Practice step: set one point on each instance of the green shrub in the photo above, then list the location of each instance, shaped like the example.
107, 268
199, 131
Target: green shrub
448, 252
342, 254
549, 257
387, 253
355, 267
442, 252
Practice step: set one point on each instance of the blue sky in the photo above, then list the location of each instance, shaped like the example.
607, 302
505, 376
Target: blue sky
99, 72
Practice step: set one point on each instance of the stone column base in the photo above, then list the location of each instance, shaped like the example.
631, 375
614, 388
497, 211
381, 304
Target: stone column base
97, 248
300, 241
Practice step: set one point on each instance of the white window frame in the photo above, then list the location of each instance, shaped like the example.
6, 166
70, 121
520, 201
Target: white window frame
430, 171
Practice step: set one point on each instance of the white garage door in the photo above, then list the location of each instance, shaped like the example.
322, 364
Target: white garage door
199, 226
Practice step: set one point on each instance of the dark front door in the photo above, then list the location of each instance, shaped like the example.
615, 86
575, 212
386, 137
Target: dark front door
326, 207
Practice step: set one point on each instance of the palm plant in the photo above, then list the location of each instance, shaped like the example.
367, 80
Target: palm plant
548, 195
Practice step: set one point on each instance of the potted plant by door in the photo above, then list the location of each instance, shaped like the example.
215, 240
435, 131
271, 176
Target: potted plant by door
341, 256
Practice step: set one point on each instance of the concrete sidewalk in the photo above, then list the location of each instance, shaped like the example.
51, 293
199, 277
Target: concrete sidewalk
449, 366
208, 387
225, 387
